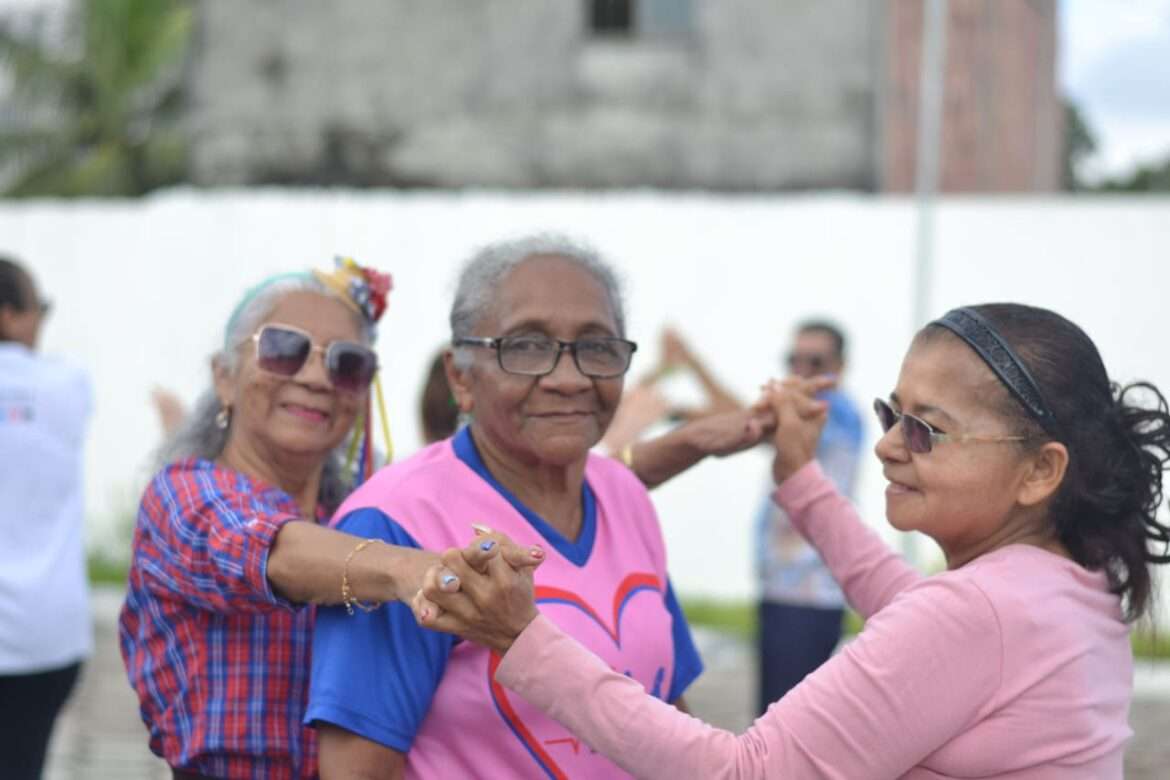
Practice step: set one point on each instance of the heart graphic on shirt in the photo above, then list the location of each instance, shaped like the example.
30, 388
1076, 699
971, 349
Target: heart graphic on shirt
626, 590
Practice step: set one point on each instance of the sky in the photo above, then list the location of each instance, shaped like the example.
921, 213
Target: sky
1114, 62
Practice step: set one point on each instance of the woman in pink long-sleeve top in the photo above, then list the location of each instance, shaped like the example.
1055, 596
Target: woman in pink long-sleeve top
1040, 480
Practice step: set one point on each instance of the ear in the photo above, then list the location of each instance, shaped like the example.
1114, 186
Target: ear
1044, 475
223, 381
459, 380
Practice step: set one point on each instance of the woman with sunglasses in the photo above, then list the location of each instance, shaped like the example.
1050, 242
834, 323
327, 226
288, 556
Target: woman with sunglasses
538, 360
1040, 480
229, 549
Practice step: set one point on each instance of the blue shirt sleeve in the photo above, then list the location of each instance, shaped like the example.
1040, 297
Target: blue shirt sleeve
375, 673
687, 664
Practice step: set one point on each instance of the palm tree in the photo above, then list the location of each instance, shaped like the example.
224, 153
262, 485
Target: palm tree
98, 112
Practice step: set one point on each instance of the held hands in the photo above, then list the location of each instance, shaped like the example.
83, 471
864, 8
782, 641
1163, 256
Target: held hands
799, 419
483, 592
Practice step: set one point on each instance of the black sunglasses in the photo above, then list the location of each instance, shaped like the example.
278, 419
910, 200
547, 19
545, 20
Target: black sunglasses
283, 350
919, 435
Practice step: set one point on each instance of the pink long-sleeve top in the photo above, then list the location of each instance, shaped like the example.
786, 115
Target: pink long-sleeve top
1016, 665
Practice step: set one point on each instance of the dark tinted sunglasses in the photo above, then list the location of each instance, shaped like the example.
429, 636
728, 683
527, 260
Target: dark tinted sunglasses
284, 350
919, 435
816, 363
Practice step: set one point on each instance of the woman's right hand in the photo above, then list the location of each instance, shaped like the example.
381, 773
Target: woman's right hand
495, 600
800, 418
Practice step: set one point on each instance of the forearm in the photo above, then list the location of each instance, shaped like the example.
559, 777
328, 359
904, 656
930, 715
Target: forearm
307, 562
656, 460
869, 572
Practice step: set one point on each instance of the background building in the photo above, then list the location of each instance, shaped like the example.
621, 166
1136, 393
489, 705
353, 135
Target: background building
722, 94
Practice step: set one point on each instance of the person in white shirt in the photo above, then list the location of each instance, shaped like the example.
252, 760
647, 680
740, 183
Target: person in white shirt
45, 628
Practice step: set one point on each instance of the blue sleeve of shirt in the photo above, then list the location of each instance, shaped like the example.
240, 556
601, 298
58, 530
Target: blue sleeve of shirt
687, 664
375, 673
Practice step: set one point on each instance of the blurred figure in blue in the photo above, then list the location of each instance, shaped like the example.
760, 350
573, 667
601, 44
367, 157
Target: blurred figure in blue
801, 605
45, 630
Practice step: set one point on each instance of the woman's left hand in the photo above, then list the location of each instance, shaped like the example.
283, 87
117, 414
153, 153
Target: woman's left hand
495, 601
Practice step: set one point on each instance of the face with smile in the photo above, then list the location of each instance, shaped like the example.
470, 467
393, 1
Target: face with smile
965, 494
552, 419
302, 417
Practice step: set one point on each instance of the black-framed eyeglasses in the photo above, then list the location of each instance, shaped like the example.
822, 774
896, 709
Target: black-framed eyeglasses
597, 358
816, 363
283, 350
919, 435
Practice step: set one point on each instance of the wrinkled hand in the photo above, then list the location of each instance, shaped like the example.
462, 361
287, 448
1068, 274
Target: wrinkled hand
726, 433
800, 418
495, 600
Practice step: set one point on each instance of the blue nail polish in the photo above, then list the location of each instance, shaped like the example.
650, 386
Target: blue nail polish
485, 546
448, 579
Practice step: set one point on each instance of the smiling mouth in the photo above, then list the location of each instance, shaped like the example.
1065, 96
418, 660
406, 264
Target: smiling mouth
306, 412
899, 488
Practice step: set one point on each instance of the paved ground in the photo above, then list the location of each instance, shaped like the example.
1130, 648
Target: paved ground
101, 738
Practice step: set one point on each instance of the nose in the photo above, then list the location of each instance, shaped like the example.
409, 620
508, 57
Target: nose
892, 445
313, 374
565, 376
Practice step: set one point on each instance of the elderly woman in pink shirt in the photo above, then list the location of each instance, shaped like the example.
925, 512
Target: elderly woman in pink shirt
1040, 480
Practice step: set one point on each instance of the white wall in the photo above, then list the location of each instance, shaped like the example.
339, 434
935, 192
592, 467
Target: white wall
142, 290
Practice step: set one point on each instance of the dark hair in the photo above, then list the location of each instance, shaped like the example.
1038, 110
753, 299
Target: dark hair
1118, 441
440, 417
14, 284
14, 287
830, 330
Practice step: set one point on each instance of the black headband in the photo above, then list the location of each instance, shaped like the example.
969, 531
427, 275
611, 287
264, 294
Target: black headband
971, 327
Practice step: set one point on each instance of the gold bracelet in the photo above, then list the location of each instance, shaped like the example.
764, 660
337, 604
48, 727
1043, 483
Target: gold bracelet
347, 597
627, 456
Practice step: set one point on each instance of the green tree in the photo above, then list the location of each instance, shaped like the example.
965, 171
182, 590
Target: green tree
1151, 177
98, 111
1080, 143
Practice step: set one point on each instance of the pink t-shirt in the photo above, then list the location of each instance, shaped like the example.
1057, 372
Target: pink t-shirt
1017, 665
608, 589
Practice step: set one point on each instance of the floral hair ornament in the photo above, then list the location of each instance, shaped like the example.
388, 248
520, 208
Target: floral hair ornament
366, 291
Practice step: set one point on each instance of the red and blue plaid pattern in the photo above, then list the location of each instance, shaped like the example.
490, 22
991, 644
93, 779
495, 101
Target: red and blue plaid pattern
219, 662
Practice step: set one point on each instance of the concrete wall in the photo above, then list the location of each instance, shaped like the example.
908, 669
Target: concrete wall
748, 94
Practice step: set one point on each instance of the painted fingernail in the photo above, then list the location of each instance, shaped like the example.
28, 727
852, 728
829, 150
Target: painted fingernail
536, 552
480, 530
449, 578
488, 545
426, 615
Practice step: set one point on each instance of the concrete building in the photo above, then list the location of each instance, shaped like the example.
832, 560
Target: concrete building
722, 94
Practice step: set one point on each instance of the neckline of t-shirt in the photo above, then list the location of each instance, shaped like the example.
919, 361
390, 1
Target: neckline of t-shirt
577, 552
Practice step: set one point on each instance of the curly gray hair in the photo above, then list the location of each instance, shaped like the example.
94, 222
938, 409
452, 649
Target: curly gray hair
200, 437
481, 276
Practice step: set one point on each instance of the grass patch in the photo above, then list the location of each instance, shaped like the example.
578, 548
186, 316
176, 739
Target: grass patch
731, 617
104, 571
738, 618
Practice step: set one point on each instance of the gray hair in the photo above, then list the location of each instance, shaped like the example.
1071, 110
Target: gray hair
200, 437
490, 265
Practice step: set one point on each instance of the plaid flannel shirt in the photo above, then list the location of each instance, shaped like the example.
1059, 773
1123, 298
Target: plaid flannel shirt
219, 662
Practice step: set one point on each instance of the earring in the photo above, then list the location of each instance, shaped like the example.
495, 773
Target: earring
224, 418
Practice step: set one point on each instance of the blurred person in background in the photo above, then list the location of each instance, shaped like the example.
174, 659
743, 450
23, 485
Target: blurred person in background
229, 549
538, 360
801, 606
45, 627
438, 412
1042, 482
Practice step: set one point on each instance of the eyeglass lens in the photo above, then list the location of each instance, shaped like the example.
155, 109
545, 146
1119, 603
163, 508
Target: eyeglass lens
915, 432
601, 358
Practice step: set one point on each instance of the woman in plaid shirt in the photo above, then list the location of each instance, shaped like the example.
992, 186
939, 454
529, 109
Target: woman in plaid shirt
227, 549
